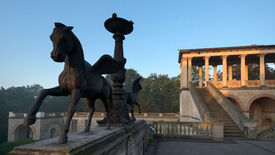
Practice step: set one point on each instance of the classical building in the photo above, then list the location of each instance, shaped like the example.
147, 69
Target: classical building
241, 82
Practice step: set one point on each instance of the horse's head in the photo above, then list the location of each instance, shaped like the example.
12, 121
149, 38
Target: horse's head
62, 39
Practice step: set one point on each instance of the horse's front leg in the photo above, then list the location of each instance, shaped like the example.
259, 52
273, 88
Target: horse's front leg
75, 97
91, 103
132, 113
56, 91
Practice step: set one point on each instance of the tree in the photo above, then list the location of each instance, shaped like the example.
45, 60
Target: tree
160, 94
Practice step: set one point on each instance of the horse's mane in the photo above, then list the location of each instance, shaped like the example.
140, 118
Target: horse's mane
64, 29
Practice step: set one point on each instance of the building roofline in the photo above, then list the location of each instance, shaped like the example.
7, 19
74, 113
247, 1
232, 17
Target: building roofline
218, 49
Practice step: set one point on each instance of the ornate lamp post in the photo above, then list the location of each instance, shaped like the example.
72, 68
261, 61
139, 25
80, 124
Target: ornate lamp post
119, 27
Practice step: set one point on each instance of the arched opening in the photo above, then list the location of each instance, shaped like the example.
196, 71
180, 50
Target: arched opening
263, 111
235, 103
53, 133
23, 133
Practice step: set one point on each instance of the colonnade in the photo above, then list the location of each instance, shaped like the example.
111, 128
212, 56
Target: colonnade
186, 71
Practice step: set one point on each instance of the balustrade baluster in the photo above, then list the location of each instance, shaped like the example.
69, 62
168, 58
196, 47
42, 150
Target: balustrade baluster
168, 127
197, 130
160, 129
184, 129
181, 129
188, 129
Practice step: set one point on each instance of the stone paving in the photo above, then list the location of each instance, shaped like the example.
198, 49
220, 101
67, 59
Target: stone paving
226, 147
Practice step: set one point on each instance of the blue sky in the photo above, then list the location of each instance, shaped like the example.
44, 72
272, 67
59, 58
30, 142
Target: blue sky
161, 27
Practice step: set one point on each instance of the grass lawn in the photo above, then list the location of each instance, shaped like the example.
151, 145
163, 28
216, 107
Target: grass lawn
8, 146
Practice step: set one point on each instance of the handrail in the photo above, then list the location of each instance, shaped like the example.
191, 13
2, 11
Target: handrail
234, 113
199, 102
267, 133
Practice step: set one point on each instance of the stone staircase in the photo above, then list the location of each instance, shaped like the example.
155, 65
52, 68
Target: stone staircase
219, 114
267, 133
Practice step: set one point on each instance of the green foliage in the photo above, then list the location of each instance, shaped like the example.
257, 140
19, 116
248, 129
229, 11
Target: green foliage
7, 147
131, 76
160, 94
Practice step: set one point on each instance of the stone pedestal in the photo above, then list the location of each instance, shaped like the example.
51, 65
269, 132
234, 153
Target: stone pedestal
217, 131
118, 140
250, 129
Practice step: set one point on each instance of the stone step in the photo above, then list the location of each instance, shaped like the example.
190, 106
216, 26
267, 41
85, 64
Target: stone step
218, 113
222, 119
231, 130
232, 135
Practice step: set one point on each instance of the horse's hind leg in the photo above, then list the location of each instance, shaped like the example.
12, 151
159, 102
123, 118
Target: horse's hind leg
132, 113
75, 97
56, 91
107, 109
91, 103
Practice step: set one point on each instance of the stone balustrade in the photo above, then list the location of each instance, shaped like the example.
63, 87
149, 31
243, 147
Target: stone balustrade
248, 83
234, 83
217, 84
270, 83
198, 130
252, 83
96, 114
38, 115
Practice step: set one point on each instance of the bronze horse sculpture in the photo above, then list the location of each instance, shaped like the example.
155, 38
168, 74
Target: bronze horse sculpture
78, 79
132, 97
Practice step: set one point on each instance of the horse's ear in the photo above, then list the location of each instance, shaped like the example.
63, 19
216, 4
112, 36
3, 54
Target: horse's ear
69, 28
59, 24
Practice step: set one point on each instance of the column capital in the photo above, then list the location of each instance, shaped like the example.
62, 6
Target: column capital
224, 56
183, 59
189, 58
206, 57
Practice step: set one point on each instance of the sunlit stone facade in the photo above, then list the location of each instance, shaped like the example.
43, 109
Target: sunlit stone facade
254, 97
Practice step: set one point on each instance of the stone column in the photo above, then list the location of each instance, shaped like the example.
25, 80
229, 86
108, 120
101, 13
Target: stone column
230, 72
184, 78
246, 72
224, 71
200, 76
243, 70
215, 73
262, 70
206, 73
189, 70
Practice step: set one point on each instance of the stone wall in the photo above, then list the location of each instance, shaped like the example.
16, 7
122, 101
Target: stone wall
132, 139
188, 109
245, 96
49, 125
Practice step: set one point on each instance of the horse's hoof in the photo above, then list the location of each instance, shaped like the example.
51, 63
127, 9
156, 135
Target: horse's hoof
101, 121
87, 130
29, 121
125, 121
63, 140
108, 127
